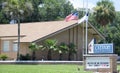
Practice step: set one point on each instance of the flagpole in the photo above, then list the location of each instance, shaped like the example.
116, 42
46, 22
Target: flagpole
86, 36
83, 32
86, 28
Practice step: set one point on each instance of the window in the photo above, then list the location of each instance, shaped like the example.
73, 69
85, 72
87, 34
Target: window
6, 46
15, 48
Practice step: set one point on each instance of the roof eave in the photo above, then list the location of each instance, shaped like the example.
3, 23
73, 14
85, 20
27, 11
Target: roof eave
100, 34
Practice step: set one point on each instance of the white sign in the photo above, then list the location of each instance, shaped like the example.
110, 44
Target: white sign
103, 48
97, 62
99, 48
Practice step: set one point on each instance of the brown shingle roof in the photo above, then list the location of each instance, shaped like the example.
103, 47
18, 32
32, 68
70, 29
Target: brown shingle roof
34, 31
31, 32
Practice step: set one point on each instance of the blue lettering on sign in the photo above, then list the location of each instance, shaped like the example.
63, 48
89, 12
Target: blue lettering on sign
103, 48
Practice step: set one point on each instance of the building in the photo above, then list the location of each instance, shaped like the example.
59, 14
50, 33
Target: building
39, 31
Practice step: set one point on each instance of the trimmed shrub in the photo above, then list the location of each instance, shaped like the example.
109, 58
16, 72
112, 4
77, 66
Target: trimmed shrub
25, 57
3, 56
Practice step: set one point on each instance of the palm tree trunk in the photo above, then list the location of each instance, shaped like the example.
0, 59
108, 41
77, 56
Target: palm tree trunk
33, 55
18, 38
60, 56
105, 34
49, 55
69, 56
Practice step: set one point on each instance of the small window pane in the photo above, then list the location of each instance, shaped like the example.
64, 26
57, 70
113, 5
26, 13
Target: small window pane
6, 46
15, 48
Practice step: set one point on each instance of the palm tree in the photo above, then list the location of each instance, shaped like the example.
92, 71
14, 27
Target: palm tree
16, 10
50, 44
62, 48
34, 47
104, 13
71, 50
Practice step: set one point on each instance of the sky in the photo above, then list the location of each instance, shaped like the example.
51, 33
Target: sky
92, 3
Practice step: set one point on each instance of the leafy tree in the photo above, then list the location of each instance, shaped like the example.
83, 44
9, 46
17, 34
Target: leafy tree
71, 50
17, 9
34, 47
62, 48
3, 19
35, 16
54, 9
114, 33
43, 10
51, 45
67, 8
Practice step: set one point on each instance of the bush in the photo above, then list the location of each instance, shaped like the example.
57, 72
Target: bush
25, 57
3, 57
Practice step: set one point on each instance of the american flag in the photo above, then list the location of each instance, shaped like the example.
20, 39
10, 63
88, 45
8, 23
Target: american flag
72, 16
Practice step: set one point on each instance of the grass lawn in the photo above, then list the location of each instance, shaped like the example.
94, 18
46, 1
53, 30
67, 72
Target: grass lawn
60, 68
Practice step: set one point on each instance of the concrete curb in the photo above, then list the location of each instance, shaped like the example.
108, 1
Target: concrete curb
42, 62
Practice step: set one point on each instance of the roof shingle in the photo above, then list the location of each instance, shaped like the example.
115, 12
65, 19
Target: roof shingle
34, 31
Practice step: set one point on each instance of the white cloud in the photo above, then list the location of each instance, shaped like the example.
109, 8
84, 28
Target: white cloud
116, 4
92, 3
82, 4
